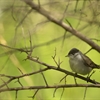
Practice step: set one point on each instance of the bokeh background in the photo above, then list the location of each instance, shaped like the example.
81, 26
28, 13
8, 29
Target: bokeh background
18, 22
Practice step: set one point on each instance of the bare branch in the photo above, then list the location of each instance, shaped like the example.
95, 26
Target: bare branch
20, 82
23, 19
16, 94
20, 76
88, 50
4, 82
62, 93
50, 87
63, 78
33, 47
18, 49
64, 14
20, 70
85, 93
62, 70
44, 78
54, 58
54, 91
62, 24
34, 94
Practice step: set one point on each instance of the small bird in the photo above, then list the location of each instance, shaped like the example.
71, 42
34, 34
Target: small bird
80, 63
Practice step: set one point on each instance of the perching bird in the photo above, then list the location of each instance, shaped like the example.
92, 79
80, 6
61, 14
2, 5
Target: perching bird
80, 63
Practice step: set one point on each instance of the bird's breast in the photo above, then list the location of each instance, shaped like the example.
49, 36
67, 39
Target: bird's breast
78, 66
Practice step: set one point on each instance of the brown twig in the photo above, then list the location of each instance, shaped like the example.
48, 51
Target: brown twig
54, 58
16, 94
34, 94
62, 93
63, 78
44, 79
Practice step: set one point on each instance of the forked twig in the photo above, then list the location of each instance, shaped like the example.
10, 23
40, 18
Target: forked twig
54, 58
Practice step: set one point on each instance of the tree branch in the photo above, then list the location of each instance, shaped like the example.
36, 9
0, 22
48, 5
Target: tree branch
49, 87
62, 70
11, 78
65, 26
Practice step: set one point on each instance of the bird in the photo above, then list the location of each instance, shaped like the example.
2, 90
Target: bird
80, 63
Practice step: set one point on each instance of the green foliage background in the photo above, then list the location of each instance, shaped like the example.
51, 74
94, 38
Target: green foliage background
47, 37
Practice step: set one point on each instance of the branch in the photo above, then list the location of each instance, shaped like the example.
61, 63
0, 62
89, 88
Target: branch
11, 78
65, 26
62, 70
50, 87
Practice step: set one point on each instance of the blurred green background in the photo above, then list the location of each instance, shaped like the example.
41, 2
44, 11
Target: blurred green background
15, 31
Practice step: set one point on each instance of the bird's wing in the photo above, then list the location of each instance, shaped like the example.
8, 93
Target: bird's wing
89, 62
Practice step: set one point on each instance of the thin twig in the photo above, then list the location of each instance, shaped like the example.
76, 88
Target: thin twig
44, 79
63, 78
4, 82
54, 58
88, 50
34, 94
16, 94
55, 91
20, 82
20, 70
62, 93
85, 93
